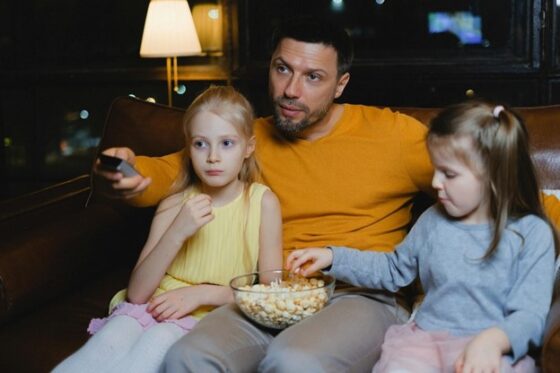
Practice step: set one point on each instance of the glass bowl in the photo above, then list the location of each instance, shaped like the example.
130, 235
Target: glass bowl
279, 298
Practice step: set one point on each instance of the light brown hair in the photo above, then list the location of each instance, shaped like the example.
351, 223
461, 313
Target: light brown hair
501, 145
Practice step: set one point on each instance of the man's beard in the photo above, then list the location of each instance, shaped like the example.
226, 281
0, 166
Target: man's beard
289, 128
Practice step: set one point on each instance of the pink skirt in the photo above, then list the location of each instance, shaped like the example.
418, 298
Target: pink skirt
138, 312
407, 348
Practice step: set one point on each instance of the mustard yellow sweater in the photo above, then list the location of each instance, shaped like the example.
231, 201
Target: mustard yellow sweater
352, 187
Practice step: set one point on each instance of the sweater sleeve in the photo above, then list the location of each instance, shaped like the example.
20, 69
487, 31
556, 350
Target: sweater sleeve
552, 208
163, 171
376, 270
529, 299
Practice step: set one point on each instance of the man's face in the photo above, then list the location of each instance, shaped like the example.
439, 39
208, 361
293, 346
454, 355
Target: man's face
303, 82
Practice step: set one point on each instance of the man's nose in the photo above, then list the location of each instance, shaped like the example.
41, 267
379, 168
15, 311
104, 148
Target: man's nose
293, 87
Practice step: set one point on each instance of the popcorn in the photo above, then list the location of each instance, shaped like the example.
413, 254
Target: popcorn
283, 303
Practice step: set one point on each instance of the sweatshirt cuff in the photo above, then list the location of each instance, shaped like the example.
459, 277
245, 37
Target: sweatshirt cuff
338, 258
518, 349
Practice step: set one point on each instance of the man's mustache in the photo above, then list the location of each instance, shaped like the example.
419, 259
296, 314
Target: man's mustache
292, 103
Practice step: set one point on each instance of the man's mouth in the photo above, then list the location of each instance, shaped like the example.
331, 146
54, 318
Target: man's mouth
289, 111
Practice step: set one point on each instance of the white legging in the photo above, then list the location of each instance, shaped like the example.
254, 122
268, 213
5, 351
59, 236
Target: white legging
122, 345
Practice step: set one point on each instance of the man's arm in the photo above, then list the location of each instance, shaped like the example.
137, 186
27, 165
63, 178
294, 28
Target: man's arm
147, 189
415, 154
552, 209
163, 171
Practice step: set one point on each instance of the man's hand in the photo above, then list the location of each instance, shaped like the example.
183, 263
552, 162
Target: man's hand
114, 184
307, 261
484, 353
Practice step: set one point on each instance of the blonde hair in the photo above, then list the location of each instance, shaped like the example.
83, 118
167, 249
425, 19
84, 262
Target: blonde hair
501, 157
232, 107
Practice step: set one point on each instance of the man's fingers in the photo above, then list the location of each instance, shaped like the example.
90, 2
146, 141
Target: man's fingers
123, 153
108, 175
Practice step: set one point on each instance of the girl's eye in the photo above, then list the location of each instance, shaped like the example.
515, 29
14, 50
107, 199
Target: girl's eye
228, 143
199, 144
449, 175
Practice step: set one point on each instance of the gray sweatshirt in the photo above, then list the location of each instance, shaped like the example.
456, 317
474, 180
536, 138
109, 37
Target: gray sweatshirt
465, 294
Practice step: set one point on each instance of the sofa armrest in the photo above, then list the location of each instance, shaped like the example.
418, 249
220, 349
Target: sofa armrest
52, 243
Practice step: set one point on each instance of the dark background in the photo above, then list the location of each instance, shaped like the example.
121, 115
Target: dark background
61, 58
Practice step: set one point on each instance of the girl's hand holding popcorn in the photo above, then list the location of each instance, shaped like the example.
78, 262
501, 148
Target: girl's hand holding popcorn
307, 261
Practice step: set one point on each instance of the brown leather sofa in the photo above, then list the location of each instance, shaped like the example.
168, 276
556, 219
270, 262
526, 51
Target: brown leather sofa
62, 257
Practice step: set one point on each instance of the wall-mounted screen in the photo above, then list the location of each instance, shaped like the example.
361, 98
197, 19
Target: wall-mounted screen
463, 25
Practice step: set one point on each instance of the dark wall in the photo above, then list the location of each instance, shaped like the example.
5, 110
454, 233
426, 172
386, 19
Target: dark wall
62, 62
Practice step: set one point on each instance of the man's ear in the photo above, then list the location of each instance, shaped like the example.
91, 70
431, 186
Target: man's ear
250, 146
341, 84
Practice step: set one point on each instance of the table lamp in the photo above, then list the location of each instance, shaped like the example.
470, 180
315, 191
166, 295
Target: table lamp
207, 18
169, 32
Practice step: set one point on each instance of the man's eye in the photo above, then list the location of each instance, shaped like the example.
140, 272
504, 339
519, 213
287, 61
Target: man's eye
314, 77
281, 68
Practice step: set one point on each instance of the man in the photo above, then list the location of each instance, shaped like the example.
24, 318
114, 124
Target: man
345, 175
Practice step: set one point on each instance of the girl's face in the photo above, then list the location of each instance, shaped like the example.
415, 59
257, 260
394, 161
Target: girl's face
460, 190
217, 150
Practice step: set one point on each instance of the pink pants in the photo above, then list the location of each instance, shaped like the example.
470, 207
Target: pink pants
407, 348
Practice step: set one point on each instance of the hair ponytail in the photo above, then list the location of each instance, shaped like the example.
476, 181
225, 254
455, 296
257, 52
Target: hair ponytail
501, 142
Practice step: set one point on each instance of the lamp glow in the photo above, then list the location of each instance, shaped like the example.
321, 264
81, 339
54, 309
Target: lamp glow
169, 32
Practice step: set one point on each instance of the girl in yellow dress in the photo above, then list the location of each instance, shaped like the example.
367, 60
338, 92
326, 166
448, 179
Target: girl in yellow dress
217, 223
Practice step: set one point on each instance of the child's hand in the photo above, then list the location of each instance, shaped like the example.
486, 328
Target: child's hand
484, 353
195, 213
175, 304
308, 261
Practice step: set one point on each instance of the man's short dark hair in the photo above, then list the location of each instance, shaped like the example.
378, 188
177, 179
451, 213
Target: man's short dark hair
314, 30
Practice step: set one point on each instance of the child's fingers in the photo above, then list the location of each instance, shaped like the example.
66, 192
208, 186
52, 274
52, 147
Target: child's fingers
177, 314
204, 211
152, 303
459, 364
199, 199
292, 259
206, 219
200, 205
303, 262
157, 306
167, 313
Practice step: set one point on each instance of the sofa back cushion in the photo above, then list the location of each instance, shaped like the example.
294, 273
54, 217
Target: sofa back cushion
155, 130
147, 128
543, 124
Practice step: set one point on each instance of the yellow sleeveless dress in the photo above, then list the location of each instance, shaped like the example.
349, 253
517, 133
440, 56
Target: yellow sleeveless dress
226, 247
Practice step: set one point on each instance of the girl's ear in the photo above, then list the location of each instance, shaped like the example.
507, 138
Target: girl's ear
250, 146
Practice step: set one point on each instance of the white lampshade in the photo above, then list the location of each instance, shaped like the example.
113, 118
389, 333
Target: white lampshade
169, 30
